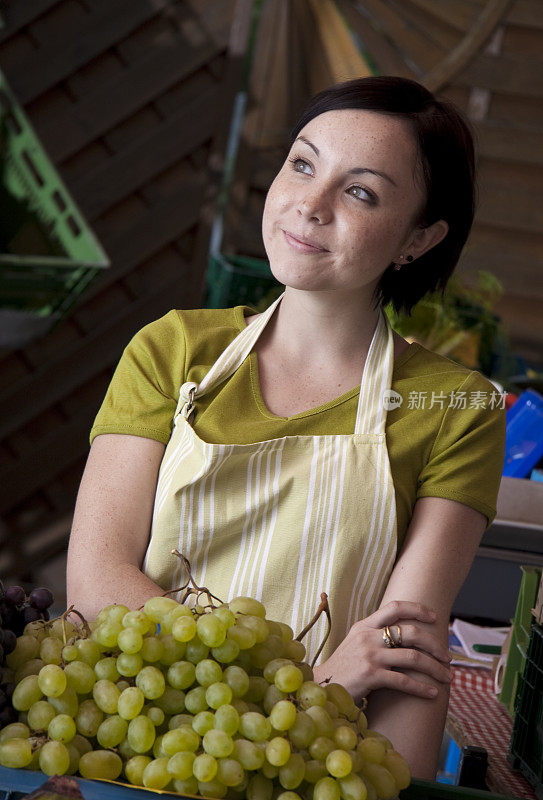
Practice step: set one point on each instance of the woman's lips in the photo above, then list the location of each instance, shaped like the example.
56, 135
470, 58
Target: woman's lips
303, 245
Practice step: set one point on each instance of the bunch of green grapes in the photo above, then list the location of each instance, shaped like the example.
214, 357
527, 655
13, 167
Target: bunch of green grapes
211, 701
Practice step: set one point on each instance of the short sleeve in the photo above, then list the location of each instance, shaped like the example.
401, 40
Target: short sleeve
142, 396
466, 461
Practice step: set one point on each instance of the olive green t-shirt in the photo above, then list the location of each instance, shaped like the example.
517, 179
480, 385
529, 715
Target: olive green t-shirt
446, 439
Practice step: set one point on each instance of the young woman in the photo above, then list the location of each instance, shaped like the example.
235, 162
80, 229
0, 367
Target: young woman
310, 448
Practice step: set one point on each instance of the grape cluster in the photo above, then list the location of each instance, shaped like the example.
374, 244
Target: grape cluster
16, 610
210, 701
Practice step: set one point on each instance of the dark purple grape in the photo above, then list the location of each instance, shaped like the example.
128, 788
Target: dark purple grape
7, 716
1, 654
15, 595
8, 689
3, 699
30, 614
10, 640
11, 617
45, 615
41, 598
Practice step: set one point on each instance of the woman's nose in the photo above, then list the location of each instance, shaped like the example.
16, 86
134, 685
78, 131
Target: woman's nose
315, 205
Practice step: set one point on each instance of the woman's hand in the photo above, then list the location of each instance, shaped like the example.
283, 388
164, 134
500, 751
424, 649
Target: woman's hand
363, 662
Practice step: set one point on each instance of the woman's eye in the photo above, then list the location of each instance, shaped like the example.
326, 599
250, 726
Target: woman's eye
361, 194
299, 165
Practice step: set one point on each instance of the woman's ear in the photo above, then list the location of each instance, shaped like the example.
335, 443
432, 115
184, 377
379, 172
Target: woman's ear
425, 238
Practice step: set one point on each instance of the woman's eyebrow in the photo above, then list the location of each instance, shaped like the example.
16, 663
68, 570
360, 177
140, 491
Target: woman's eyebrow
355, 170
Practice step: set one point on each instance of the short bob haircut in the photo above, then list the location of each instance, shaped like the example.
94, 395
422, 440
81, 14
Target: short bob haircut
446, 158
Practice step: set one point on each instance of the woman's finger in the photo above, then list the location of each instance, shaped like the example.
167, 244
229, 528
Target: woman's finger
416, 637
407, 658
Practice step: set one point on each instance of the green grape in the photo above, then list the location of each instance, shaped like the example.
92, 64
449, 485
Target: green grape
74, 756
66, 703
106, 634
52, 680
269, 770
112, 731
311, 694
204, 767
185, 787
152, 649
80, 676
226, 719
26, 693
156, 608
262, 654
195, 700
51, 650
100, 764
272, 666
381, 780
123, 684
89, 651
272, 697
172, 701
247, 605
178, 740
55, 628
16, 730
208, 672
40, 715
26, 648
257, 689
398, 768
244, 637
16, 753
326, 789
130, 703
181, 675
240, 705
155, 714
288, 796
158, 750
227, 652
172, 650
54, 758
283, 715
338, 695
372, 750
302, 733
370, 734
306, 670
217, 743
151, 682
339, 763
345, 737
106, 696
278, 751
156, 775
69, 653
129, 664
129, 640
115, 612
218, 694
106, 670
258, 625
138, 620
168, 620
212, 789
357, 760
237, 679
196, 650
211, 630
178, 720
294, 650
362, 722
331, 709
37, 629
292, 773
259, 788
323, 722
31, 667
203, 722
125, 751
288, 678
314, 771
249, 754
184, 629
141, 734
89, 718
180, 765
352, 787
62, 728
133, 769
230, 772
321, 747
225, 614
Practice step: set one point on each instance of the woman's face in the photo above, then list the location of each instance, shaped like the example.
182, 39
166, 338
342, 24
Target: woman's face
343, 205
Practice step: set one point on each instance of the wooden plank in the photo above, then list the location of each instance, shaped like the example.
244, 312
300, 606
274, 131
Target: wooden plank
505, 73
510, 143
16, 14
525, 111
107, 24
459, 14
522, 41
343, 56
511, 196
526, 12
433, 24
98, 349
167, 144
522, 318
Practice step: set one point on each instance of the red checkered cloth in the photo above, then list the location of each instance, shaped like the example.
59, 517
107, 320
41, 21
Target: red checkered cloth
484, 722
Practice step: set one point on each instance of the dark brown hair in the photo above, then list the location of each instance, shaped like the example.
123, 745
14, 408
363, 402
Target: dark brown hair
446, 157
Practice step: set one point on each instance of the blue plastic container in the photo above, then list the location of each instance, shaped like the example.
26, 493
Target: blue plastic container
524, 435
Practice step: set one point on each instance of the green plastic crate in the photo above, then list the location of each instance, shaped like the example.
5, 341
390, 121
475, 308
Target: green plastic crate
239, 280
48, 253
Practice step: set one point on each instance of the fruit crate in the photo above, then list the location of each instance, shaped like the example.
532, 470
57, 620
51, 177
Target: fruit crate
15, 783
238, 280
526, 747
48, 253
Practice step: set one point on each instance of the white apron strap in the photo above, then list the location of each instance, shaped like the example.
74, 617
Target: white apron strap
376, 379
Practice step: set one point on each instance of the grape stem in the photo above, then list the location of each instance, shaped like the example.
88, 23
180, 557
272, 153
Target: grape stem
323, 607
73, 610
191, 587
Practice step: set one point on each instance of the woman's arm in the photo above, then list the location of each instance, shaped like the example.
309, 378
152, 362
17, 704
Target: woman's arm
111, 525
439, 549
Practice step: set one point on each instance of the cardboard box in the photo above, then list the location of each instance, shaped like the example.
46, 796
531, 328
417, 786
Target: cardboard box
520, 500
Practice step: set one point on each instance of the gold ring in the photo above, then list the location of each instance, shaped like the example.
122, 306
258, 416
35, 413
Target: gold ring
387, 637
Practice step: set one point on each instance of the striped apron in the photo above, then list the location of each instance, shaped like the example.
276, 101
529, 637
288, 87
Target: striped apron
286, 519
